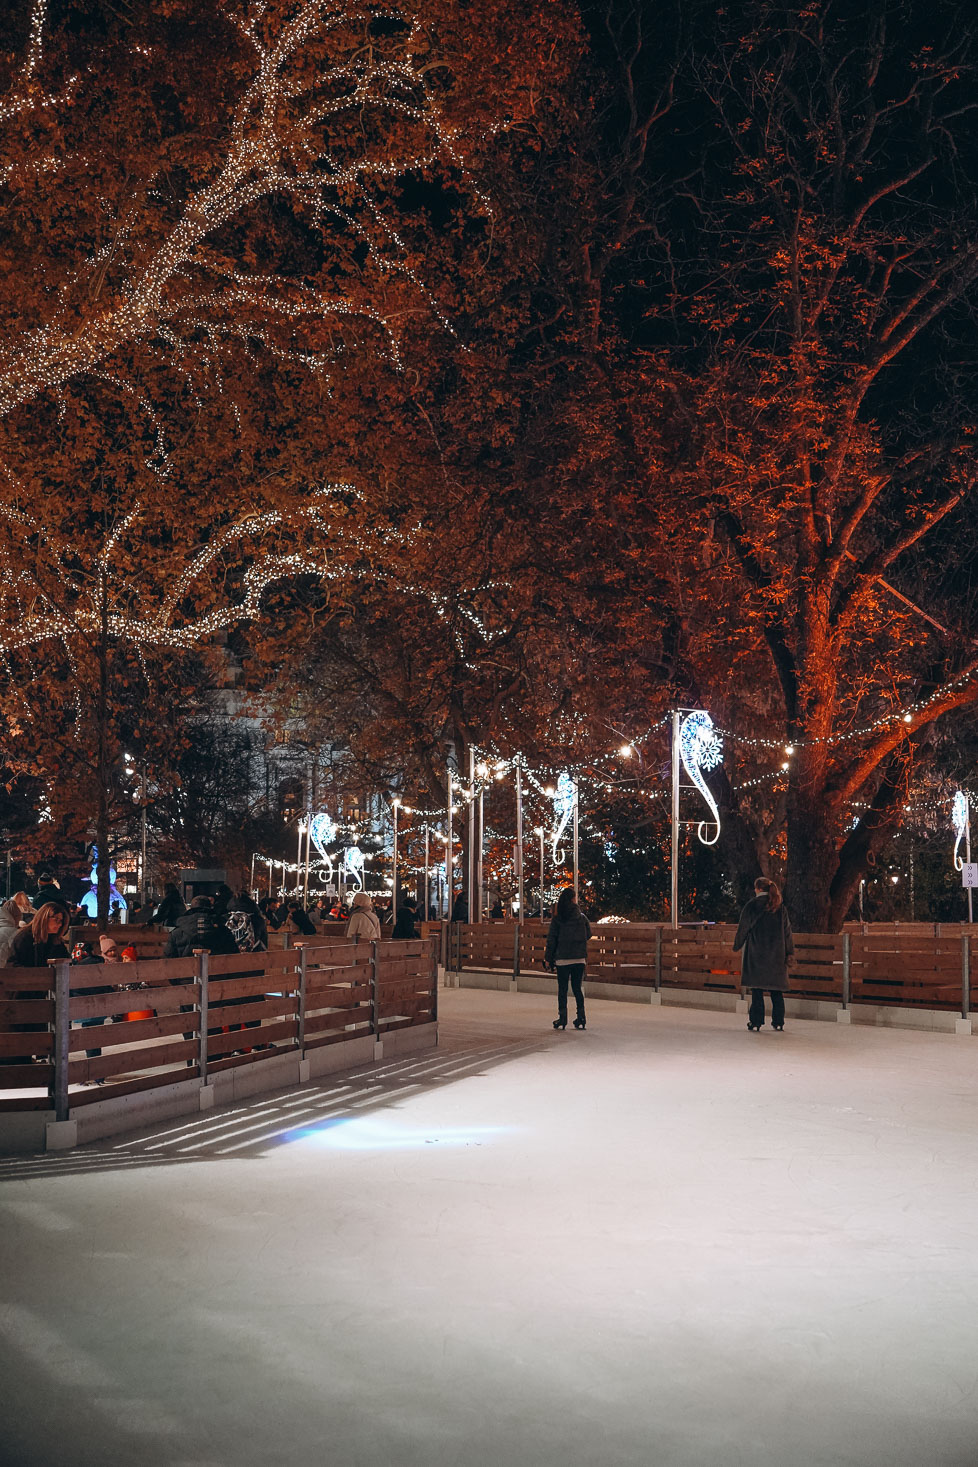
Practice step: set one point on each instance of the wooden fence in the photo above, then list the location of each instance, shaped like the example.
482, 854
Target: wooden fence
909, 965
73, 1034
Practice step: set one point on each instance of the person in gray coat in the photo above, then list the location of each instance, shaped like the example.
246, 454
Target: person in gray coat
764, 935
566, 954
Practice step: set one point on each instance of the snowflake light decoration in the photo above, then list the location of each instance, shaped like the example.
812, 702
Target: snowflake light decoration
959, 815
701, 749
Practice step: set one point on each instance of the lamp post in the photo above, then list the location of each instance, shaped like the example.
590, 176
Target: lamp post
540, 834
470, 865
449, 850
674, 872
577, 813
519, 838
427, 906
395, 806
482, 770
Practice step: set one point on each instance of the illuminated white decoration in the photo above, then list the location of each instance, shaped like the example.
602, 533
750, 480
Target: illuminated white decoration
353, 866
322, 829
959, 815
563, 798
89, 902
701, 748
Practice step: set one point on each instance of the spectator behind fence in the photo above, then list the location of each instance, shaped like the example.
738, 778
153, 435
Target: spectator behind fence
364, 921
15, 914
567, 941
407, 916
171, 908
298, 920
271, 908
460, 908
247, 925
764, 934
198, 930
48, 890
43, 940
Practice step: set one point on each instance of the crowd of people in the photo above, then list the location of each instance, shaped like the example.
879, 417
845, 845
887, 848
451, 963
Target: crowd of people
34, 930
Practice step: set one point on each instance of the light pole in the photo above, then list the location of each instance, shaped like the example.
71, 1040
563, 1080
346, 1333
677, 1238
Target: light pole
519, 837
395, 805
540, 834
674, 873
482, 770
427, 898
577, 828
449, 850
145, 884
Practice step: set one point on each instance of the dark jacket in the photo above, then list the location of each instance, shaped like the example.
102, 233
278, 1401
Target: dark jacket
460, 909
302, 922
567, 941
247, 926
767, 945
405, 926
198, 929
25, 953
170, 910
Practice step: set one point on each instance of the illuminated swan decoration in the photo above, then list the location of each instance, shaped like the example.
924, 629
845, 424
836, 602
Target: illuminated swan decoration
701, 748
564, 801
353, 865
323, 829
959, 814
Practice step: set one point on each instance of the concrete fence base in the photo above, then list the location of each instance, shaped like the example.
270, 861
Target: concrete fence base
942, 1021
32, 1131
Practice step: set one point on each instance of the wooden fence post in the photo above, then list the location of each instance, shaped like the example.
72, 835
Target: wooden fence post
62, 1015
202, 1008
658, 959
433, 978
375, 990
966, 974
302, 1000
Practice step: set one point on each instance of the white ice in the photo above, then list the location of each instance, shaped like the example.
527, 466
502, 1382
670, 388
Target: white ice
664, 1242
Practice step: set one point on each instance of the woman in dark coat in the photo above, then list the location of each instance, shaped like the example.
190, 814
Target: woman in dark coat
764, 934
566, 954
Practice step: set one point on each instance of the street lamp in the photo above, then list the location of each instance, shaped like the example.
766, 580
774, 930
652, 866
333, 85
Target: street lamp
539, 832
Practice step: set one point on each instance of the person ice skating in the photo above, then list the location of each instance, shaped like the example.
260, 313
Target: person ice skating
566, 953
764, 934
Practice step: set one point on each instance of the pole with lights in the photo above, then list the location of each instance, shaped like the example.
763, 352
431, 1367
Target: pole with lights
961, 815
540, 833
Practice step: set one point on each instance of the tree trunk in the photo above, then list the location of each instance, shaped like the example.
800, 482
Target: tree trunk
812, 850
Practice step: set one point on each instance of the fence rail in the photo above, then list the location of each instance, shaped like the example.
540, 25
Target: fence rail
909, 965
73, 1034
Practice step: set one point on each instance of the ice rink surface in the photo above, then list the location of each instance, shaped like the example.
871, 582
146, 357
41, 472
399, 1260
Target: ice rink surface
663, 1242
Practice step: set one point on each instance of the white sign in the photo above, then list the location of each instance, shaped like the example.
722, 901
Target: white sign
969, 873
